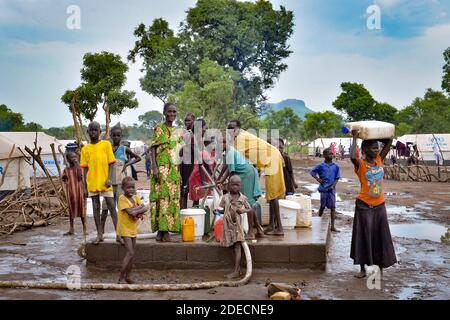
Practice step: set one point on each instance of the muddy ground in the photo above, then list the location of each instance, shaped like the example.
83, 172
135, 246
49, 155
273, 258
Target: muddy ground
419, 215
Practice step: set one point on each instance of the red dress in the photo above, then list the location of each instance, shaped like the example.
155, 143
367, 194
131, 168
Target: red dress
73, 188
195, 179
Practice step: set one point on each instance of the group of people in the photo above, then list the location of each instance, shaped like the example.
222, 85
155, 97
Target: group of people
183, 166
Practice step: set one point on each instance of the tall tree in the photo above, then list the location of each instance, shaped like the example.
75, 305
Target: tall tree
212, 97
322, 124
103, 76
430, 114
248, 37
357, 104
446, 75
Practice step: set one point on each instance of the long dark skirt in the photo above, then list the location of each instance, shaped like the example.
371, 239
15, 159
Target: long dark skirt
371, 237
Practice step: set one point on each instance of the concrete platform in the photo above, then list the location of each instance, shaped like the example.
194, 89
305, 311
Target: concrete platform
299, 249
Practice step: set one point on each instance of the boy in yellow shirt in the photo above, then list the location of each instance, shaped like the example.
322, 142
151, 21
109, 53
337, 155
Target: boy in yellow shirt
96, 160
130, 210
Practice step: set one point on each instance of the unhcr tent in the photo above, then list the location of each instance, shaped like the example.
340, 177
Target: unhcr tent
22, 139
425, 144
16, 176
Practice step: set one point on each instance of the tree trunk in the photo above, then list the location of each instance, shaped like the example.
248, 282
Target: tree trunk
76, 125
108, 121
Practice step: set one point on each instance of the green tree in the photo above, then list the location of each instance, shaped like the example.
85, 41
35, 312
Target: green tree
322, 124
13, 121
211, 98
149, 119
103, 76
9, 120
286, 121
250, 38
446, 76
63, 133
430, 114
357, 104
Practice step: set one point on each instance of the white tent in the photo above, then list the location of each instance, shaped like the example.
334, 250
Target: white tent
16, 176
22, 139
137, 146
425, 144
323, 143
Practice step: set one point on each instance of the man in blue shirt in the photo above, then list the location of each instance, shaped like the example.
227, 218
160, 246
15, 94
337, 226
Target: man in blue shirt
327, 174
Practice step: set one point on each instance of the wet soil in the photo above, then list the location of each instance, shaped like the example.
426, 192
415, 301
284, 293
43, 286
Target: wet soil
419, 215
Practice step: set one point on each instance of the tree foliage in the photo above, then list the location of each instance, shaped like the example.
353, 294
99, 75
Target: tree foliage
9, 120
357, 104
211, 98
149, 119
103, 76
446, 68
287, 122
322, 124
248, 37
13, 121
430, 114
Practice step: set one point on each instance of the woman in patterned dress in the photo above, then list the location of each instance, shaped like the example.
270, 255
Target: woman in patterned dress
166, 180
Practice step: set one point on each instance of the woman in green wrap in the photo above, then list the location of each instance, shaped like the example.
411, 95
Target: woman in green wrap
166, 180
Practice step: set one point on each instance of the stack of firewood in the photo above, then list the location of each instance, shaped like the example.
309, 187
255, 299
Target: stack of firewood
23, 209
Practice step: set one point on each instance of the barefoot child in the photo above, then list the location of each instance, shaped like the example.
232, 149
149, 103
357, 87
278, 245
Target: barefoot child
131, 210
327, 174
97, 160
234, 204
73, 188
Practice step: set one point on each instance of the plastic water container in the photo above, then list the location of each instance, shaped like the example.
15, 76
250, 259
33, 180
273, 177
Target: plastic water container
199, 219
188, 229
304, 217
288, 213
144, 195
218, 229
244, 222
265, 210
369, 130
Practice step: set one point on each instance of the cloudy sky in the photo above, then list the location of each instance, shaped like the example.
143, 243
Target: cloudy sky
40, 57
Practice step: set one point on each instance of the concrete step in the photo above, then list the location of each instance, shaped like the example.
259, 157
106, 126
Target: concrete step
299, 249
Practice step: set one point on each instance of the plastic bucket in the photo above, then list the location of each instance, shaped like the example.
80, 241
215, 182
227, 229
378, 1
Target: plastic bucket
304, 217
199, 219
288, 213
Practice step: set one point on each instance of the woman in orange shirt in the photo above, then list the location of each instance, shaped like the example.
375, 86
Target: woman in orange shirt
371, 237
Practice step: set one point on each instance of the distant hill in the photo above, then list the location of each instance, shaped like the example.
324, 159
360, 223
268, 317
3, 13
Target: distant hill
298, 106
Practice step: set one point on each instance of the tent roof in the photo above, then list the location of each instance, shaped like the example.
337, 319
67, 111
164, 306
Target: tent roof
22, 139
5, 148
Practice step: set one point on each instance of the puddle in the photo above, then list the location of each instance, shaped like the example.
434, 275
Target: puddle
395, 193
423, 231
425, 205
316, 196
347, 208
408, 293
311, 187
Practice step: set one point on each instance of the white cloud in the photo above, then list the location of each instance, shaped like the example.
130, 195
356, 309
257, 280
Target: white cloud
397, 78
